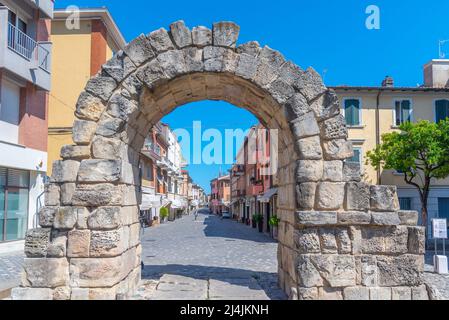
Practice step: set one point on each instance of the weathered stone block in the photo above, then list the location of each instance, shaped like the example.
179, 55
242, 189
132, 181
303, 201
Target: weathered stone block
139, 50
404, 270
357, 196
119, 66
326, 106
160, 41
369, 271
309, 170
420, 293
47, 216
225, 34
67, 191
181, 34
89, 107
307, 240
62, 293
65, 171
58, 246
343, 241
310, 84
334, 128
356, 293
201, 36
94, 272
83, 131
330, 195
172, 63
354, 218
104, 148
19, 293
380, 293
316, 218
46, 272
384, 198
401, 293
308, 274
52, 194
385, 218
310, 148
296, 106
333, 171
122, 106
71, 152
338, 149
78, 243
107, 243
66, 217
351, 171
36, 242
105, 218
336, 270
109, 127
305, 126
97, 195
305, 195
308, 293
328, 241
326, 293
408, 218
416, 240
101, 86
99, 171
385, 240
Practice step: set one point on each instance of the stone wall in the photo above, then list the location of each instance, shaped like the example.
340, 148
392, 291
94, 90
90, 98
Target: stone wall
338, 238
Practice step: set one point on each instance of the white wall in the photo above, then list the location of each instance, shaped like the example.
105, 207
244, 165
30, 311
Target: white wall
36, 198
9, 112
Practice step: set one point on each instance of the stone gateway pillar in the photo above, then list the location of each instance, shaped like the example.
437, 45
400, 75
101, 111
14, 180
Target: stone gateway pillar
339, 238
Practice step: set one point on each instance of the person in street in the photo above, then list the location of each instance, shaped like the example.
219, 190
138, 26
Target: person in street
196, 213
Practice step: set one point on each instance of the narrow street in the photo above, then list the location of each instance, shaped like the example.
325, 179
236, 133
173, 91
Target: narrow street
208, 258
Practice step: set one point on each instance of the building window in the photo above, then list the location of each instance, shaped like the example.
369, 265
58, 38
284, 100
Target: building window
149, 172
352, 111
357, 157
14, 193
441, 110
443, 208
405, 203
402, 111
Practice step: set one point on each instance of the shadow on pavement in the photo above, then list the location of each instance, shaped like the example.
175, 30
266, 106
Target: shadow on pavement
239, 277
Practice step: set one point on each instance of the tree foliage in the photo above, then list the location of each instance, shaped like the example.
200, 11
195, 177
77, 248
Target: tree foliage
420, 151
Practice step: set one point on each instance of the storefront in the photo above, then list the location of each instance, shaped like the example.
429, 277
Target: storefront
21, 196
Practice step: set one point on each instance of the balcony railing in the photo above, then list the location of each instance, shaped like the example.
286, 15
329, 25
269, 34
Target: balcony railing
24, 45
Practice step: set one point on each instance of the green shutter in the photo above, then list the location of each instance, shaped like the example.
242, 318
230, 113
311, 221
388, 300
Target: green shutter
352, 107
441, 110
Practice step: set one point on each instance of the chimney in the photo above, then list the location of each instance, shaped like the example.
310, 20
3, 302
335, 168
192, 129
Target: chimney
388, 82
436, 73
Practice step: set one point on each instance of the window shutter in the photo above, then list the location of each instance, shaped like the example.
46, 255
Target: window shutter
352, 107
441, 110
2, 176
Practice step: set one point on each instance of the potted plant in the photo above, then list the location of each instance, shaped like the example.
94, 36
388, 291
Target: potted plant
274, 223
254, 220
163, 214
259, 221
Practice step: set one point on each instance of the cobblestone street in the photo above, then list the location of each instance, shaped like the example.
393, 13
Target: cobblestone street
208, 258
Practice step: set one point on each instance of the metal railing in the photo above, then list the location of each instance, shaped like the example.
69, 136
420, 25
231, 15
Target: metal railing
27, 47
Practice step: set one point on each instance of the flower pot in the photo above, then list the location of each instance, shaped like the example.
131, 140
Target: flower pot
254, 225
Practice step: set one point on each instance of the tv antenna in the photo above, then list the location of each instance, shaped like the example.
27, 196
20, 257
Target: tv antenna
441, 43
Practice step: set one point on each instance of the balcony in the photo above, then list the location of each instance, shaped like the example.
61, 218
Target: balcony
22, 56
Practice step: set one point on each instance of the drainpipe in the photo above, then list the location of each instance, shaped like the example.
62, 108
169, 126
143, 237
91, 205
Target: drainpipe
379, 179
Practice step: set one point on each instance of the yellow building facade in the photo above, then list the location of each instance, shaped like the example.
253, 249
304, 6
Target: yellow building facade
371, 112
79, 50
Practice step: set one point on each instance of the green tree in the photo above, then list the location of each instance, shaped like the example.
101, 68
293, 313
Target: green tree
419, 151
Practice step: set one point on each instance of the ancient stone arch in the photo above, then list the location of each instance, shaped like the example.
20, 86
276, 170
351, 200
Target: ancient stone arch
338, 237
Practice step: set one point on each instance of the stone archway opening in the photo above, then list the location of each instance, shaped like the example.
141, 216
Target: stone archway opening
338, 237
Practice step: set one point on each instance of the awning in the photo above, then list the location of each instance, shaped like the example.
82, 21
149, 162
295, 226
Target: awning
267, 195
176, 204
150, 201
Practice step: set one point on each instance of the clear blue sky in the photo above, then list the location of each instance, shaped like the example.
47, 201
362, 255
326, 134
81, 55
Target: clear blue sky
326, 34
